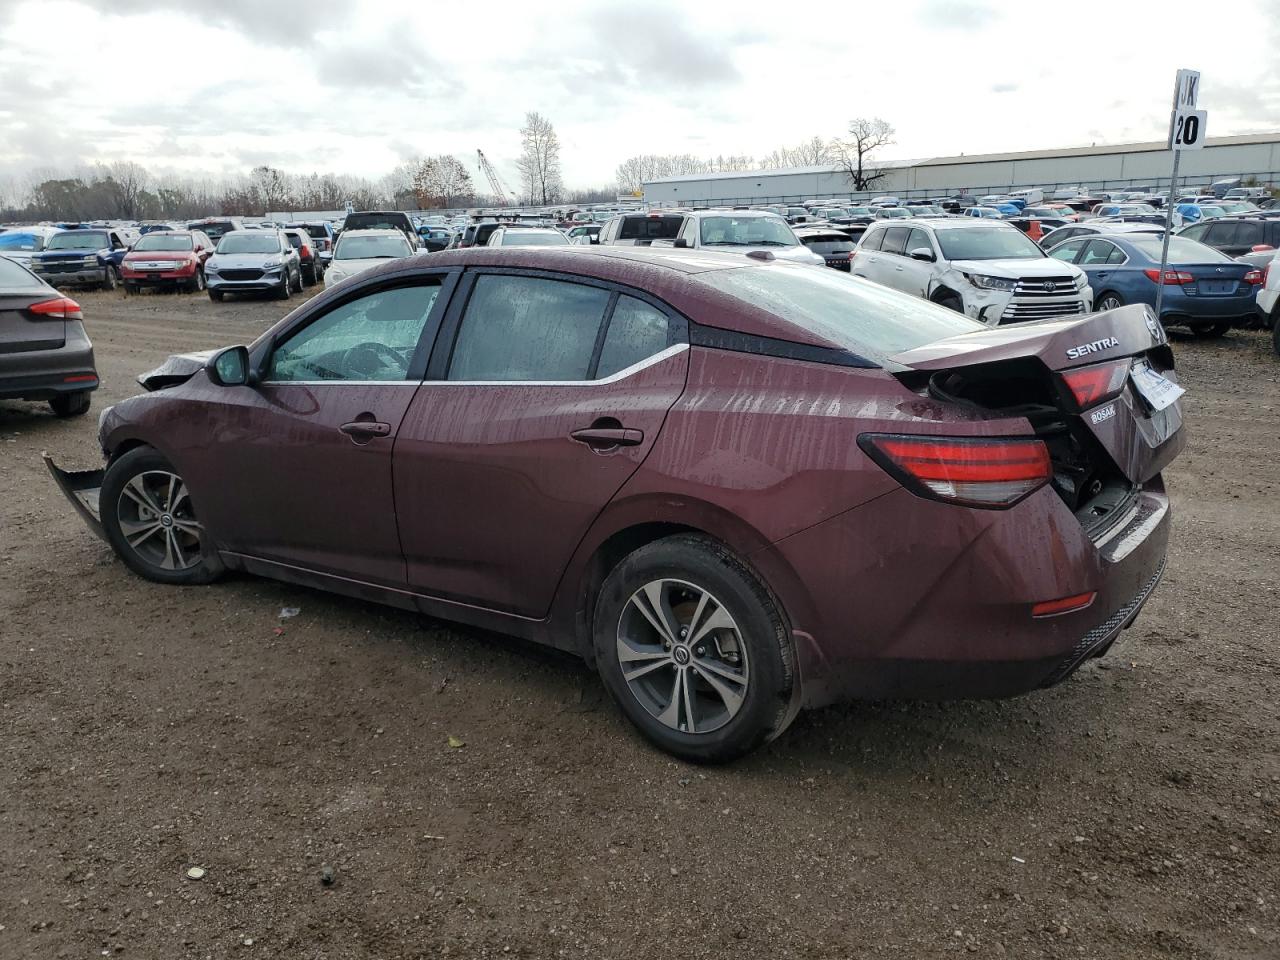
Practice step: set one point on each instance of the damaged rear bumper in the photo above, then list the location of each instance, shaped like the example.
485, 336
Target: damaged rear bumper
81, 488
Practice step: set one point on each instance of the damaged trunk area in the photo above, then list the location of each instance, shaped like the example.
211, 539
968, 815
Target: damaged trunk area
1085, 476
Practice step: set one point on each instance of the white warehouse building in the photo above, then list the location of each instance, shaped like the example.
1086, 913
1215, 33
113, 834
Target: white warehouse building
1100, 167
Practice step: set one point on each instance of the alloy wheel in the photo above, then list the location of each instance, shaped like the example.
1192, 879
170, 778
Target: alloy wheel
682, 656
156, 519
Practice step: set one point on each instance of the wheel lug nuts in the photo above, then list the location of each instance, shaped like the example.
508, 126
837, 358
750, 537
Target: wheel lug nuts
702, 651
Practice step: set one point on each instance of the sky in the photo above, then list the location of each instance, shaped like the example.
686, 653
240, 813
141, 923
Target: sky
359, 86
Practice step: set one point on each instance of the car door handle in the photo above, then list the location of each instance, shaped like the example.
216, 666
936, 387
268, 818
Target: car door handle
1101, 273
599, 438
362, 431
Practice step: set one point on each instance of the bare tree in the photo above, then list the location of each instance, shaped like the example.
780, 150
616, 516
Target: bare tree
442, 182
539, 162
865, 137
814, 152
126, 183
270, 187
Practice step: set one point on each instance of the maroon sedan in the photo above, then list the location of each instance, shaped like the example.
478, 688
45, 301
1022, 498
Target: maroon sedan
737, 486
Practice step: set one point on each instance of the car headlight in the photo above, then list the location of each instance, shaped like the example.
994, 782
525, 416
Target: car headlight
271, 265
210, 266
90, 261
333, 274
984, 282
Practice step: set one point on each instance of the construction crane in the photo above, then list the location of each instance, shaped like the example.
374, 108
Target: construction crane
499, 188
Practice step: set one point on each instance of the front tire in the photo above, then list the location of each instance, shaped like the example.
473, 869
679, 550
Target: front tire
197, 282
110, 277
215, 296
951, 302
66, 405
151, 523
694, 649
285, 287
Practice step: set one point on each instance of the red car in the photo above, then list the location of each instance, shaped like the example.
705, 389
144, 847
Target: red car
737, 486
167, 258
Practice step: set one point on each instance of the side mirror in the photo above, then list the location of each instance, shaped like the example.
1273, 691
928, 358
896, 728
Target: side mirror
681, 243
582, 241
229, 367
922, 253
326, 255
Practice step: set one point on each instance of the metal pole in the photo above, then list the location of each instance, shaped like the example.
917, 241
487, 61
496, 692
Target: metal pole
1168, 229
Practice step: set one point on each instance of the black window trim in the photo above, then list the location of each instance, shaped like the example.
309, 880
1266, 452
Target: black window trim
437, 370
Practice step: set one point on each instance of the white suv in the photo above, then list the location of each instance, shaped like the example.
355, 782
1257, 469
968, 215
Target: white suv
989, 270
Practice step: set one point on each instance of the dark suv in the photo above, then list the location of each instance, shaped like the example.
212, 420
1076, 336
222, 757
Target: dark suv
641, 229
383, 220
475, 235
308, 255
834, 246
1253, 239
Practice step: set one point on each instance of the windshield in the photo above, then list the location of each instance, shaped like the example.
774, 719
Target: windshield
863, 317
988, 243
374, 221
859, 211
243, 241
21, 241
892, 212
78, 240
1208, 213
746, 232
370, 248
1237, 206
1182, 250
159, 241
533, 238
828, 243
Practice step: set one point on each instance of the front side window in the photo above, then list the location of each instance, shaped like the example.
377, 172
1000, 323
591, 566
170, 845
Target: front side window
636, 331
1097, 252
528, 328
370, 338
919, 240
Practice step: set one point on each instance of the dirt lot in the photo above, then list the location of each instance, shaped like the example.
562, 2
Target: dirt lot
1130, 812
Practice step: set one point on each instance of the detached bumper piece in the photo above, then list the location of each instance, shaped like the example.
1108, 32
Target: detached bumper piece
81, 488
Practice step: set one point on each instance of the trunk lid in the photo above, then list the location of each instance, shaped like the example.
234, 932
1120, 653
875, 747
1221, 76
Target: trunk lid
22, 331
1102, 449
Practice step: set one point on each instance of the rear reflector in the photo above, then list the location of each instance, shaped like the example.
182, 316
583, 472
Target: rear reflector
1171, 277
1052, 608
1093, 384
60, 308
991, 473
80, 378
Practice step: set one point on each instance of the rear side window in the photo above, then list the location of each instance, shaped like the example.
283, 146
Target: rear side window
636, 331
1248, 232
872, 239
895, 240
650, 228
1221, 234
528, 328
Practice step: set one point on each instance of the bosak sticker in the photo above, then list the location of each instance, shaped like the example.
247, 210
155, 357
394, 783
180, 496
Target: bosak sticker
1102, 414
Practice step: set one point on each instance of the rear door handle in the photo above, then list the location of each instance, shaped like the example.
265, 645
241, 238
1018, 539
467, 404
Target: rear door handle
599, 438
362, 431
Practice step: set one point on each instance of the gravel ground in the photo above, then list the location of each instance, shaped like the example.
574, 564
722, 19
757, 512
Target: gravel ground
144, 730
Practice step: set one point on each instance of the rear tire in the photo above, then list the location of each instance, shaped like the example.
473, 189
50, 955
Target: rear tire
734, 676
1108, 301
70, 404
151, 523
1209, 331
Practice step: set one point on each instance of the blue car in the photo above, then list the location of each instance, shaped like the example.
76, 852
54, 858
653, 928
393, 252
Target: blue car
1203, 289
89, 257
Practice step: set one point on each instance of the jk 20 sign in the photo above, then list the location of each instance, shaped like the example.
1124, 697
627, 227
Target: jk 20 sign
1187, 124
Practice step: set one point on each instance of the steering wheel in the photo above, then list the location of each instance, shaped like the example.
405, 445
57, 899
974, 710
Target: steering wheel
369, 357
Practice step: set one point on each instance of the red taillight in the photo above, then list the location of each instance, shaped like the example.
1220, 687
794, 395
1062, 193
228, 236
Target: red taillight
1102, 381
1052, 608
978, 472
306, 251
1266, 273
852, 254
1254, 276
60, 308
1171, 277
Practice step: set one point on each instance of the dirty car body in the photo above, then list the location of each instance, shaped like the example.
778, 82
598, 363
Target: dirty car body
731, 482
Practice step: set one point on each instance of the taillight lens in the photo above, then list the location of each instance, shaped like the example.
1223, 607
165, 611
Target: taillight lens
59, 308
977, 472
1254, 276
306, 251
1093, 384
1171, 277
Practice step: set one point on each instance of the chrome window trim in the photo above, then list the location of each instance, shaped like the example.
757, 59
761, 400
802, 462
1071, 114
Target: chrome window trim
622, 374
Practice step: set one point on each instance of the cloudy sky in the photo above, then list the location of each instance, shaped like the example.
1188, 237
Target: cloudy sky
357, 86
